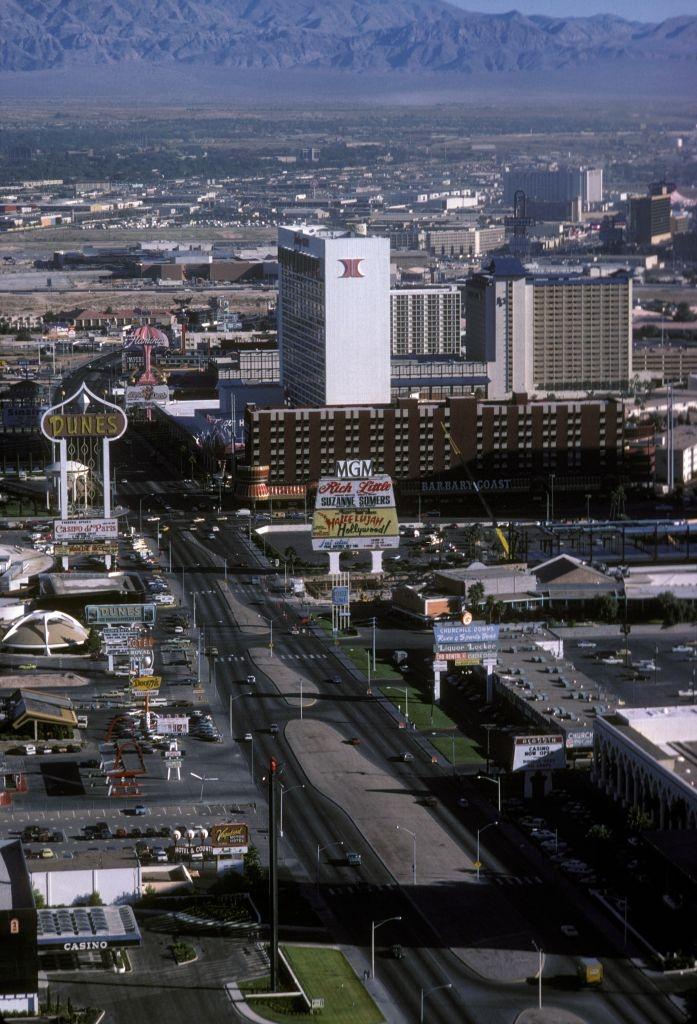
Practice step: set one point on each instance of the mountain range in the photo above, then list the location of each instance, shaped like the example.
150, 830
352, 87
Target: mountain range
370, 36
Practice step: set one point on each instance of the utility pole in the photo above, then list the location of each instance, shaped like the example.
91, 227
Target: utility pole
273, 876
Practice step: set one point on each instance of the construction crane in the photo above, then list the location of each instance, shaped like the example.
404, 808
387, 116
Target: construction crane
503, 541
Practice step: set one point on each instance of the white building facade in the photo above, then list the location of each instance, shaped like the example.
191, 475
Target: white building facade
647, 758
333, 317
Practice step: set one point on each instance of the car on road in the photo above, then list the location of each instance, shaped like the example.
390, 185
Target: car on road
335, 679
570, 931
396, 951
140, 809
353, 859
586, 643
406, 756
248, 737
273, 729
354, 741
251, 680
47, 853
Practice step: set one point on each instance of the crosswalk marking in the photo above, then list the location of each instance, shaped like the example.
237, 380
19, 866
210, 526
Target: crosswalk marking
514, 879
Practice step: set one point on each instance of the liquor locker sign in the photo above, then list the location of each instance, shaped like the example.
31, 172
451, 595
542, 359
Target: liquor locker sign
85, 529
538, 753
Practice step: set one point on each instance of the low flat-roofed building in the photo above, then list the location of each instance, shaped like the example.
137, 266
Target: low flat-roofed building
79, 584
18, 958
115, 875
31, 707
647, 758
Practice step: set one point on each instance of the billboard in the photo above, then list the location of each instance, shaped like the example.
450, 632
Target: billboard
85, 529
226, 836
87, 547
106, 614
455, 633
580, 739
376, 492
172, 725
145, 684
337, 530
538, 753
147, 394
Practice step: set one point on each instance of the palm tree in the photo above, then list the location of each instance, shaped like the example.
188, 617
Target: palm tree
475, 594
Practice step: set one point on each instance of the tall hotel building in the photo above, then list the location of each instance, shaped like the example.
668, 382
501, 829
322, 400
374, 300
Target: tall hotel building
542, 334
333, 317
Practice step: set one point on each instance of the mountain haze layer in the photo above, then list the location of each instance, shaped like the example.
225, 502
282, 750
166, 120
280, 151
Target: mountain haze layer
374, 36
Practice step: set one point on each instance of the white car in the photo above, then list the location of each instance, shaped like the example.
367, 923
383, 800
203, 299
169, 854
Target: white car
570, 930
682, 649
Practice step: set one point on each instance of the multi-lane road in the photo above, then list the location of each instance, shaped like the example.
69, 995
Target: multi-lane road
455, 915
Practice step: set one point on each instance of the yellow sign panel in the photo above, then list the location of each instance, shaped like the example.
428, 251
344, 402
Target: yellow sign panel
354, 523
86, 548
58, 426
146, 683
235, 834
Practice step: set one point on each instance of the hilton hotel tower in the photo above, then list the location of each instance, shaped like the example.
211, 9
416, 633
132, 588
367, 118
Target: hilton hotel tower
333, 317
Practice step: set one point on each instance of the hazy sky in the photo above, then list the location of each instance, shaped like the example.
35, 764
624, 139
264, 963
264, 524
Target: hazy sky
634, 10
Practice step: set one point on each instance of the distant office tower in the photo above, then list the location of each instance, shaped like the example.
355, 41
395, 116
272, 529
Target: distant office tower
462, 241
333, 316
425, 321
558, 184
648, 219
549, 333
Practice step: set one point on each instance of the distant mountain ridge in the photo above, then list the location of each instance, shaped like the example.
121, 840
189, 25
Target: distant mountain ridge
350, 35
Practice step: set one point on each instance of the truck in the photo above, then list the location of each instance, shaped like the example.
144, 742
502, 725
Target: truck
589, 970
297, 586
399, 657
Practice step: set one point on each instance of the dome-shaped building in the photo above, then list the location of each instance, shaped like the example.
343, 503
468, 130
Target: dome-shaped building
42, 632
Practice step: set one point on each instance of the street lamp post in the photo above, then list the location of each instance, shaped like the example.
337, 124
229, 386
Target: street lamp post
374, 624
193, 594
425, 992
170, 556
497, 783
283, 791
488, 726
374, 925
479, 832
401, 828
540, 965
203, 779
321, 849
247, 693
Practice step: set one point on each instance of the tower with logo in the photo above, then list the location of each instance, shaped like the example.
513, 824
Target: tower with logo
333, 317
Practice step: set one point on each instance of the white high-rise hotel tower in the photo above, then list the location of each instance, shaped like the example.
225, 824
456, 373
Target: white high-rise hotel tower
333, 317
